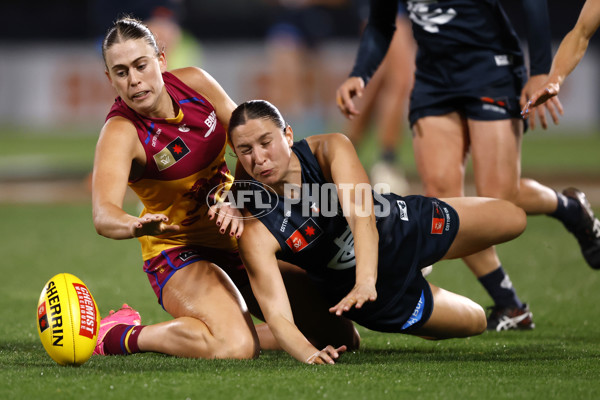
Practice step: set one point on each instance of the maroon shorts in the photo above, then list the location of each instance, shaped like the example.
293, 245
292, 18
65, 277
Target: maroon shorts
162, 267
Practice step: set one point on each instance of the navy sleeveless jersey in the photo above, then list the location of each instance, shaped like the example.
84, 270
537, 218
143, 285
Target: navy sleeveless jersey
414, 232
463, 45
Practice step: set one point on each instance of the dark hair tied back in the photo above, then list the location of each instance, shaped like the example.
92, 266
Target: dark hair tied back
255, 109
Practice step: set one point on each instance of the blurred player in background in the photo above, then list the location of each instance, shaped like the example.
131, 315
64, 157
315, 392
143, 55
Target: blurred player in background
385, 102
570, 52
468, 92
162, 17
298, 73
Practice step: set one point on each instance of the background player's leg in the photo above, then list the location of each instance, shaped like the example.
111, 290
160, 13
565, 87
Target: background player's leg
440, 144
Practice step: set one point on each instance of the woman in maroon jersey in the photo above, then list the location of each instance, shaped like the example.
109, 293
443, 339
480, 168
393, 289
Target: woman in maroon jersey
165, 137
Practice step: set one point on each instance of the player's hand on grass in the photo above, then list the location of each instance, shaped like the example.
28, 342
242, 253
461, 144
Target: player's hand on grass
326, 356
152, 225
227, 216
536, 101
359, 295
353, 86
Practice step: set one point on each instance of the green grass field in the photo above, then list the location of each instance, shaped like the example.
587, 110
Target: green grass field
560, 359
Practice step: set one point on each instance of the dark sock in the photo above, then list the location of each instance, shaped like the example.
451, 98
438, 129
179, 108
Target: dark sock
500, 288
389, 156
122, 339
568, 211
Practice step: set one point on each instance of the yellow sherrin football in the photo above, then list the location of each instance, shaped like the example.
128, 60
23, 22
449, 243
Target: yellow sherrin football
67, 320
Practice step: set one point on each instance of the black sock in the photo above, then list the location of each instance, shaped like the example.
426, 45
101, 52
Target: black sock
500, 288
568, 211
389, 156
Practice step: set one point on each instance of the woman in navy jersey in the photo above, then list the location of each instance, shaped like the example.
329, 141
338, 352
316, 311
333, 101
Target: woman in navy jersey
470, 85
312, 206
165, 137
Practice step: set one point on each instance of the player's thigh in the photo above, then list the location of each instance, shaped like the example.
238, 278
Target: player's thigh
453, 316
484, 222
440, 144
204, 291
496, 155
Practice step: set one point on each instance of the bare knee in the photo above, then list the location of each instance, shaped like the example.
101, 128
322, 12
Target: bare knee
517, 218
241, 346
479, 321
443, 184
195, 340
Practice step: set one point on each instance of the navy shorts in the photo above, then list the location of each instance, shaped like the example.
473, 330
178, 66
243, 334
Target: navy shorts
162, 267
417, 233
491, 103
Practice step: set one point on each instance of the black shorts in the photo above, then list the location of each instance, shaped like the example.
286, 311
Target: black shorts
489, 103
418, 232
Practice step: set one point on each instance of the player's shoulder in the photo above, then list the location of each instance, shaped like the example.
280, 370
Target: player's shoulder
194, 77
118, 128
323, 144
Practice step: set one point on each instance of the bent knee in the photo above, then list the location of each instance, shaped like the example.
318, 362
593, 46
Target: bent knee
198, 341
518, 219
479, 321
240, 347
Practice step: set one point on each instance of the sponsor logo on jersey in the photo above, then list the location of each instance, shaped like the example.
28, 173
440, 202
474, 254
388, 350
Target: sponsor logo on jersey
286, 218
183, 128
427, 14
172, 153
437, 220
308, 232
43, 317
211, 123
344, 258
503, 60
155, 137
403, 210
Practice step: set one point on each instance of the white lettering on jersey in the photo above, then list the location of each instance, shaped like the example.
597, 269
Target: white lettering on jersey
403, 210
211, 123
420, 14
155, 137
344, 258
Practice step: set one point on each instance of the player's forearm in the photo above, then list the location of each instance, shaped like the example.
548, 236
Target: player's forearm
290, 338
112, 222
366, 248
569, 54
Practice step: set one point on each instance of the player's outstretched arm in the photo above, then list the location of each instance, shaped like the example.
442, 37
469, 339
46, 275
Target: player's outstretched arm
340, 163
257, 249
569, 54
117, 150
